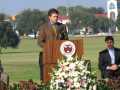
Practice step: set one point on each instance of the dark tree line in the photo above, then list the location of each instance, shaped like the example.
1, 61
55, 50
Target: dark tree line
8, 38
28, 20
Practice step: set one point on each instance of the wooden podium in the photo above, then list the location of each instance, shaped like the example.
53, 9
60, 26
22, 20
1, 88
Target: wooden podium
52, 54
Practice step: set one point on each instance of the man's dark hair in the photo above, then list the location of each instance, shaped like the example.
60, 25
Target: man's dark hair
109, 38
51, 11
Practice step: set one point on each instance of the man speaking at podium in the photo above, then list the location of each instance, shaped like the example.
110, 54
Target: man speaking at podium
52, 30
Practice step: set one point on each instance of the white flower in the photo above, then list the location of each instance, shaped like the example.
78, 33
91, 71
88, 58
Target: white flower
75, 74
72, 66
70, 58
62, 74
76, 79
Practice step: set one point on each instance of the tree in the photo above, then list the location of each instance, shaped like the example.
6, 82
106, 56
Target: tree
63, 10
102, 24
81, 17
100, 10
28, 20
118, 21
8, 38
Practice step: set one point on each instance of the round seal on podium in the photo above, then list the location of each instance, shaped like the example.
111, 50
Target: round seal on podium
67, 48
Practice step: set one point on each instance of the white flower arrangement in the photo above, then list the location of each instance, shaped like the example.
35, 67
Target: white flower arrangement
71, 74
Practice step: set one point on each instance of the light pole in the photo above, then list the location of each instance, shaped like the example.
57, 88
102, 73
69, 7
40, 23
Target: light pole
13, 18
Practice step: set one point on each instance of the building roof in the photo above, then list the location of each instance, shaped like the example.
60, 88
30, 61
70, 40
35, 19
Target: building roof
63, 17
101, 14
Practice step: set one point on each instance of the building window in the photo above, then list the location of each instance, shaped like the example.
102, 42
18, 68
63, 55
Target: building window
112, 6
118, 4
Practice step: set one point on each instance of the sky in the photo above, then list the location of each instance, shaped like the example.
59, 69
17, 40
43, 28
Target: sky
13, 7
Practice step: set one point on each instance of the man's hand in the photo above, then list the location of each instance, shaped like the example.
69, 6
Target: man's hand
113, 67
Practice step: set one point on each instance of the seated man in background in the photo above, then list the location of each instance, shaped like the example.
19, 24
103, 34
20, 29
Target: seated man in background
109, 60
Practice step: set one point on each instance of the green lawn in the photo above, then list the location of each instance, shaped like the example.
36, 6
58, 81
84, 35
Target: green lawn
22, 63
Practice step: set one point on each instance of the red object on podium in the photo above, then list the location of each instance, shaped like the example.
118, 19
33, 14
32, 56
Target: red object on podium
52, 54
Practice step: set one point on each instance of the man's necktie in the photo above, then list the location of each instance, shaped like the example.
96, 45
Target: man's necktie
54, 29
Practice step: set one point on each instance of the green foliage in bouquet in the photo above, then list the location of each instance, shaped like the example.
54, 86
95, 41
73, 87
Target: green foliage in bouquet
102, 85
14, 86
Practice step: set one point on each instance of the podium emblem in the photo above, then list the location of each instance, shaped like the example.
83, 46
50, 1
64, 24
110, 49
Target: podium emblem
67, 48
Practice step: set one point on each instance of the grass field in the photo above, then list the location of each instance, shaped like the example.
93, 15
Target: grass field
22, 63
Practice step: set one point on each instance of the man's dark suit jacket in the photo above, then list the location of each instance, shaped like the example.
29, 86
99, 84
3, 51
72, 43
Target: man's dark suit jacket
105, 60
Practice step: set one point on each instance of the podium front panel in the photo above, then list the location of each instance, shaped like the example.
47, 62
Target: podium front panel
52, 50
47, 69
